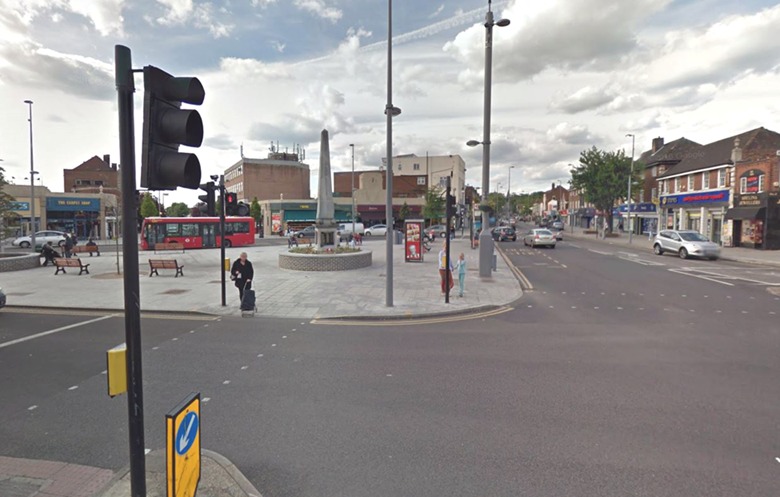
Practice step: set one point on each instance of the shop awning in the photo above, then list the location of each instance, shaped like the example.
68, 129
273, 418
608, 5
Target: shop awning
745, 213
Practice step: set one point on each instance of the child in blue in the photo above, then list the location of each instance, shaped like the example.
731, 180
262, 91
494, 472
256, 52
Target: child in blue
461, 266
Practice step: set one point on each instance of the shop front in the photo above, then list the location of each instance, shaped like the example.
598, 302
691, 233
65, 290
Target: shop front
20, 222
755, 221
699, 211
371, 214
74, 215
583, 217
643, 219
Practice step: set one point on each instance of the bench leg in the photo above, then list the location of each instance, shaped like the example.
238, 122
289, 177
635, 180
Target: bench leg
58, 270
179, 271
153, 271
84, 269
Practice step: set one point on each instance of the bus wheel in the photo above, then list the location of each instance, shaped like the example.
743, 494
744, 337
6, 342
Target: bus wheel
228, 244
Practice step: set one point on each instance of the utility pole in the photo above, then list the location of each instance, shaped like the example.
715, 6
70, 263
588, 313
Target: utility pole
630, 180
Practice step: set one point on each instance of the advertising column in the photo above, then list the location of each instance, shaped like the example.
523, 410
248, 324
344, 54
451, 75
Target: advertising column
413, 233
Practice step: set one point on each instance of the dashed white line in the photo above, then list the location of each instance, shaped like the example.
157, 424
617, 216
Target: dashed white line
226, 382
259, 355
206, 399
32, 408
155, 348
284, 336
244, 367
73, 387
174, 339
273, 345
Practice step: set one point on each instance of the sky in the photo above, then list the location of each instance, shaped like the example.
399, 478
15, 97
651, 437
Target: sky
567, 75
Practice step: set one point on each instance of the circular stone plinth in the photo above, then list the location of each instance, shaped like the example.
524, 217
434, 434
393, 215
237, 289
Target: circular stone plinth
18, 262
325, 262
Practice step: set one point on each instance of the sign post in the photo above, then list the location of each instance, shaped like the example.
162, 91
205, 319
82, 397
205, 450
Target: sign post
182, 448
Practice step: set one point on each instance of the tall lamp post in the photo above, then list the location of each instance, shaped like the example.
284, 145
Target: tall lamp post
509, 192
630, 178
390, 112
352, 187
485, 240
32, 179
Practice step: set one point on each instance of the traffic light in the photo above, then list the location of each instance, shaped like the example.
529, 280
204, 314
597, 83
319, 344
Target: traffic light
450, 205
209, 198
166, 127
231, 204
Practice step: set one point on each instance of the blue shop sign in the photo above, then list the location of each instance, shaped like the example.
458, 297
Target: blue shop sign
72, 204
696, 198
20, 206
641, 207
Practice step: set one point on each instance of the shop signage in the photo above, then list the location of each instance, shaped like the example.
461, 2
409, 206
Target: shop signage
20, 206
756, 200
718, 196
413, 231
751, 180
641, 207
72, 204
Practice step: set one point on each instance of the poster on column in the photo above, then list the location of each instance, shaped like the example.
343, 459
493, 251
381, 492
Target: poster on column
413, 247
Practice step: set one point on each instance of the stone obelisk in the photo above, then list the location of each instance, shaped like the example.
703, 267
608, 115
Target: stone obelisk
325, 224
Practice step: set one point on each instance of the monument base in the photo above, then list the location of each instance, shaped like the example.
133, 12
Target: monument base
325, 236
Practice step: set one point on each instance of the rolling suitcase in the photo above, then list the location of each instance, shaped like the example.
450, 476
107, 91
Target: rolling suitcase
248, 306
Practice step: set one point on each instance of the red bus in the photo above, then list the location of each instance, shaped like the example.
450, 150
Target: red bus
196, 232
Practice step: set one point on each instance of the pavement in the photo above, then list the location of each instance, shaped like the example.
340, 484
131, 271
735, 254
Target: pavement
280, 293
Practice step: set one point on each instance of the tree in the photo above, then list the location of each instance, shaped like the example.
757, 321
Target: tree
403, 214
148, 207
178, 209
434, 204
603, 177
6, 213
256, 212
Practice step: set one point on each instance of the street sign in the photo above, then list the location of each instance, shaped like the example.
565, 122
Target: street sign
182, 451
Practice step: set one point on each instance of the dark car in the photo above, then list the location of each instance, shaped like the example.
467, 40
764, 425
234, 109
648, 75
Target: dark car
436, 230
307, 232
2, 298
504, 234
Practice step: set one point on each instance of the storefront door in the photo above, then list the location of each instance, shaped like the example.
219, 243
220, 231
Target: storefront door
717, 229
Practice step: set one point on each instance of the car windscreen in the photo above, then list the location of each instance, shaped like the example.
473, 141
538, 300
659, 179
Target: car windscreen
693, 237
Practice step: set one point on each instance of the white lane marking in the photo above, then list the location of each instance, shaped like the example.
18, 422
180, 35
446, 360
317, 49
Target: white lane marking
564, 266
146, 451
32, 408
599, 252
259, 355
226, 382
389, 375
155, 348
686, 273
295, 329
174, 339
244, 367
73, 387
104, 372
777, 459
273, 345
206, 399
620, 308
192, 331
772, 312
284, 336
718, 311
56, 330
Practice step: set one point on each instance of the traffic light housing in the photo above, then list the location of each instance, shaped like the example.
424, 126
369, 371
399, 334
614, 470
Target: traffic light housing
166, 127
209, 198
231, 204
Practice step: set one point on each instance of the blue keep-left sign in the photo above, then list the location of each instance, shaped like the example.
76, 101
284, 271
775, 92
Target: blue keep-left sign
185, 436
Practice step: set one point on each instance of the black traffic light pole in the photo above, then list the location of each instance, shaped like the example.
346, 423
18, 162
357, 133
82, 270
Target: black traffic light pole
222, 233
448, 213
135, 405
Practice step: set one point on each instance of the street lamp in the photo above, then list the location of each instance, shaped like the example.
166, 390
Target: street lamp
630, 177
352, 186
485, 240
390, 111
509, 191
33, 172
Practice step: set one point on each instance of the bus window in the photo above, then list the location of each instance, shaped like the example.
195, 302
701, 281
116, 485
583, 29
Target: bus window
172, 229
189, 229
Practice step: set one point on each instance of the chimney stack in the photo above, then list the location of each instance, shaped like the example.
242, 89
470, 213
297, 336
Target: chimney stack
107, 159
657, 144
736, 152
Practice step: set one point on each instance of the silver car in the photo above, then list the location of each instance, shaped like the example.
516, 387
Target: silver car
685, 243
539, 237
41, 238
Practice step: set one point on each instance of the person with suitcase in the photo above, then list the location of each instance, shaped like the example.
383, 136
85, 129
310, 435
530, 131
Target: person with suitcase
242, 274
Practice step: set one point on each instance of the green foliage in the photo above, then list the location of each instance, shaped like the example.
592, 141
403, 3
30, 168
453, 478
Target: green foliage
178, 209
433, 210
6, 214
603, 177
403, 214
148, 207
255, 211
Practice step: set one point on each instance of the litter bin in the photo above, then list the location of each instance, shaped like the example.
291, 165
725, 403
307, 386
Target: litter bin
399, 237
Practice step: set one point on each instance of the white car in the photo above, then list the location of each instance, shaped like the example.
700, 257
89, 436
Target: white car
41, 238
377, 230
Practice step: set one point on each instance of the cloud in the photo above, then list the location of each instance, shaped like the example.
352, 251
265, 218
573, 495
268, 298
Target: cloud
104, 15
320, 9
586, 98
202, 16
222, 141
570, 134
437, 12
278, 46
32, 66
254, 69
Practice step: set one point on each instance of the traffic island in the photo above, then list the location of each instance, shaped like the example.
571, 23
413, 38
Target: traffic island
14, 262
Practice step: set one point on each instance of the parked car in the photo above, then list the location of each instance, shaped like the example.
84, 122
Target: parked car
538, 237
345, 229
436, 230
557, 225
685, 243
2, 298
377, 230
306, 232
41, 239
503, 233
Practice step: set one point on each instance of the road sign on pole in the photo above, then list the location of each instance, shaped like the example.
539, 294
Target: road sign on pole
182, 450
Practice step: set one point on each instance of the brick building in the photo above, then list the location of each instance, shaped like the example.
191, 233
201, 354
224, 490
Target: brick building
281, 175
96, 175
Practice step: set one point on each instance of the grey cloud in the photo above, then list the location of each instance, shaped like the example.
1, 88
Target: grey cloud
294, 130
29, 67
55, 118
587, 98
221, 142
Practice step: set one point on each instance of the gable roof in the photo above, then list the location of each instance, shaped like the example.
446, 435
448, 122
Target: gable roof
93, 164
670, 153
719, 152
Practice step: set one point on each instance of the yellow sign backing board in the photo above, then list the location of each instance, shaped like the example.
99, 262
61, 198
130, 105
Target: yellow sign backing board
182, 451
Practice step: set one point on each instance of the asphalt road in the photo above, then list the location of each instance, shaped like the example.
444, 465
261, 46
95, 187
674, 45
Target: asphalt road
616, 374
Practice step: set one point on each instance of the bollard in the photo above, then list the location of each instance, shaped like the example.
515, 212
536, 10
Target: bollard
227, 263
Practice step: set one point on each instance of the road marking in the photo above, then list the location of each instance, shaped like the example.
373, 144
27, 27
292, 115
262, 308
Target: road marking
599, 252
56, 330
259, 355
686, 273
73, 387
244, 367
226, 382
777, 459
414, 322
32, 408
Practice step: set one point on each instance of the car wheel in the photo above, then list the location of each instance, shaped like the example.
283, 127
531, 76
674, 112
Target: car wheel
683, 253
714, 258
368, 233
25, 244
657, 250
228, 244
552, 246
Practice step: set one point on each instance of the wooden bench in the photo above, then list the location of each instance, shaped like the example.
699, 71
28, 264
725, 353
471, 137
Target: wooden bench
78, 249
155, 264
168, 246
61, 263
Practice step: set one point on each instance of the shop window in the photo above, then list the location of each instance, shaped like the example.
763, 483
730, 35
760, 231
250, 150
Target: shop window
761, 183
677, 184
705, 180
742, 185
691, 183
416, 167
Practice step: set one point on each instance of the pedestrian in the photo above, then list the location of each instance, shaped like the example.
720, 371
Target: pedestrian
68, 246
49, 253
292, 241
242, 274
445, 267
461, 266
